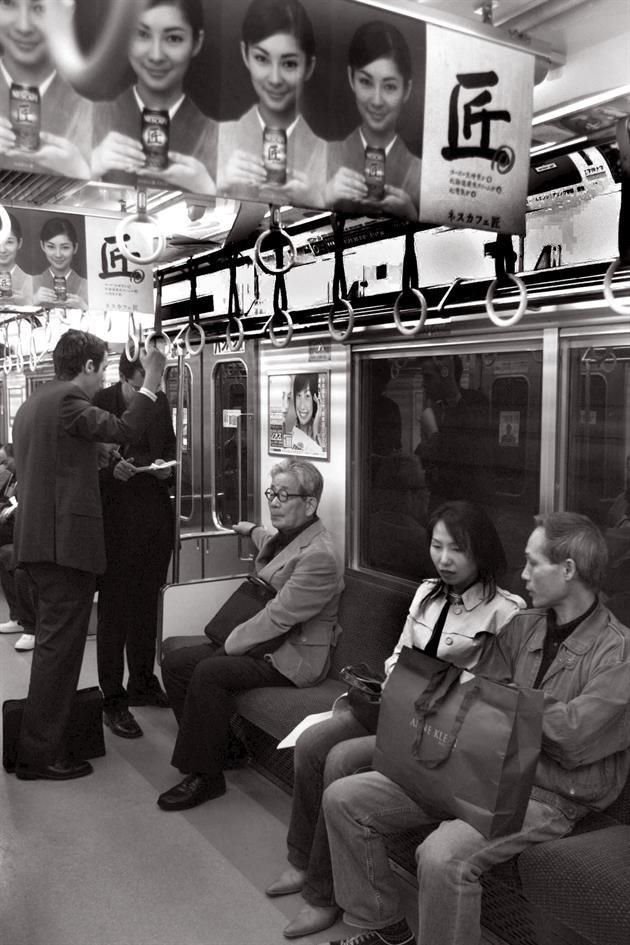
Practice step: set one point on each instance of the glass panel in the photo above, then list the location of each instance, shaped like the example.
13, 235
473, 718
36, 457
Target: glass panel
171, 375
598, 456
230, 424
445, 427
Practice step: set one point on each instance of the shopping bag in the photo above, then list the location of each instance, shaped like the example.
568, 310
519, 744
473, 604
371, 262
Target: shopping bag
248, 599
84, 734
462, 746
364, 693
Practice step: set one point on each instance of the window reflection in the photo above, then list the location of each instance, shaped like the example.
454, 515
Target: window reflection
230, 448
446, 427
598, 459
171, 376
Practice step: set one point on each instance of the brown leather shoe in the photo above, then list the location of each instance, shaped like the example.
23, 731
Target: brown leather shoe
291, 881
312, 919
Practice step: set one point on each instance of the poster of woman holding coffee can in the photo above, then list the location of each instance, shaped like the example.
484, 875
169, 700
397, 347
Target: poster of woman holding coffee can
60, 285
45, 126
373, 170
270, 153
153, 133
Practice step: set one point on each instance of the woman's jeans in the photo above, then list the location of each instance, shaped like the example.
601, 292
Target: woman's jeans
323, 753
360, 810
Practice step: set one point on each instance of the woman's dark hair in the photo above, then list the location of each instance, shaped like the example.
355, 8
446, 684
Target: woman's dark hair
473, 530
57, 226
16, 226
73, 350
192, 10
379, 40
265, 18
306, 382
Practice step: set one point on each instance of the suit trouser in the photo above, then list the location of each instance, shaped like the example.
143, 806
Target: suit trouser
63, 602
200, 686
138, 542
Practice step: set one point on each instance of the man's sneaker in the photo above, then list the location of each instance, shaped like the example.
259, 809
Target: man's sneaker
399, 934
10, 626
26, 642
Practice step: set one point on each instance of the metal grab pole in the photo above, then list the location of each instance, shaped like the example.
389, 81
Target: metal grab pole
179, 448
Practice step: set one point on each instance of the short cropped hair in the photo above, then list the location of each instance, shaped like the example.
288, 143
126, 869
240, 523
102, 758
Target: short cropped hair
128, 368
575, 536
308, 476
73, 350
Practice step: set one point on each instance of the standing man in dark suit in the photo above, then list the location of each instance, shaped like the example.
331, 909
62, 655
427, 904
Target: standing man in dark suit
138, 521
59, 532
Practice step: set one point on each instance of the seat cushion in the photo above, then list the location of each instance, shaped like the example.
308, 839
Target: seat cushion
278, 709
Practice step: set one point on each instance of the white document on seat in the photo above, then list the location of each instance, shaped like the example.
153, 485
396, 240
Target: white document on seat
290, 740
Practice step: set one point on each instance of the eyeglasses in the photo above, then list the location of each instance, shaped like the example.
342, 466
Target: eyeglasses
283, 495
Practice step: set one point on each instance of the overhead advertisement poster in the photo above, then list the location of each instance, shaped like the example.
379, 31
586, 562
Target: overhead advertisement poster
64, 260
329, 104
477, 112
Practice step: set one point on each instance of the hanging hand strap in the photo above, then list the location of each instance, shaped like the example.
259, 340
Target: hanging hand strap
234, 310
504, 268
280, 305
194, 336
409, 288
339, 286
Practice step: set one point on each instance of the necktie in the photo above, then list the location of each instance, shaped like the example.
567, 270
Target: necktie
432, 646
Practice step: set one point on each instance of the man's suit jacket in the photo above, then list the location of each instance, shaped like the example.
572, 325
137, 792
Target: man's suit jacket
309, 582
59, 516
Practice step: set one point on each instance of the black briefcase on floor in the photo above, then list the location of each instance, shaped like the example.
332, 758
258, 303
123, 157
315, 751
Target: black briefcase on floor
85, 729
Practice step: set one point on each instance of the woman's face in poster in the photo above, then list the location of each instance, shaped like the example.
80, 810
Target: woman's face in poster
304, 406
22, 31
8, 251
59, 251
162, 47
278, 69
380, 92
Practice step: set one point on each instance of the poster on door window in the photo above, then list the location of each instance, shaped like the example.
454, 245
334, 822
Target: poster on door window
299, 414
333, 104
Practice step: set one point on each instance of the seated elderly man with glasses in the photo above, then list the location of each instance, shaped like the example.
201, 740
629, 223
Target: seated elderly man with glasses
299, 561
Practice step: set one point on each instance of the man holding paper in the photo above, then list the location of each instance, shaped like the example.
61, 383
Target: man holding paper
138, 522
573, 649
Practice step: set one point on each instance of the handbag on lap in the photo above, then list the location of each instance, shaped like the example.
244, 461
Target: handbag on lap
364, 694
84, 737
248, 599
461, 745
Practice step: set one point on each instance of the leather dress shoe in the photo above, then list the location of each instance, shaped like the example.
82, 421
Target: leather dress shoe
59, 771
122, 723
195, 789
312, 919
291, 881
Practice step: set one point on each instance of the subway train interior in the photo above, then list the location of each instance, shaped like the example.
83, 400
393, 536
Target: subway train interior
338, 337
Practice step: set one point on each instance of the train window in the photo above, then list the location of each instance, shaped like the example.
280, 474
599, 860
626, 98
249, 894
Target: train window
230, 444
598, 454
444, 427
171, 376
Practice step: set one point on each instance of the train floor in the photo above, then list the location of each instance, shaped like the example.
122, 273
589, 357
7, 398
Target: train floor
96, 862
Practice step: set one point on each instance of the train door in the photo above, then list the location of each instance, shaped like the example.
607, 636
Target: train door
213, 401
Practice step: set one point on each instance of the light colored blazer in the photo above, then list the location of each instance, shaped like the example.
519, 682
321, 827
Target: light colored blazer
308, 579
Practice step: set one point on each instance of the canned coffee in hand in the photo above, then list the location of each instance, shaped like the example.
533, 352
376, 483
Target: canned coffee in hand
155, 137
25, 115
275, 155
6, 285
375, 172
61, 288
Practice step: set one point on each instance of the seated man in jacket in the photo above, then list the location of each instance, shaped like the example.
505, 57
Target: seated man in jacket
299, 561
577, 652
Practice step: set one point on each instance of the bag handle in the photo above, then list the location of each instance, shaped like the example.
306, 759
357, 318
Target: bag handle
437, 751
